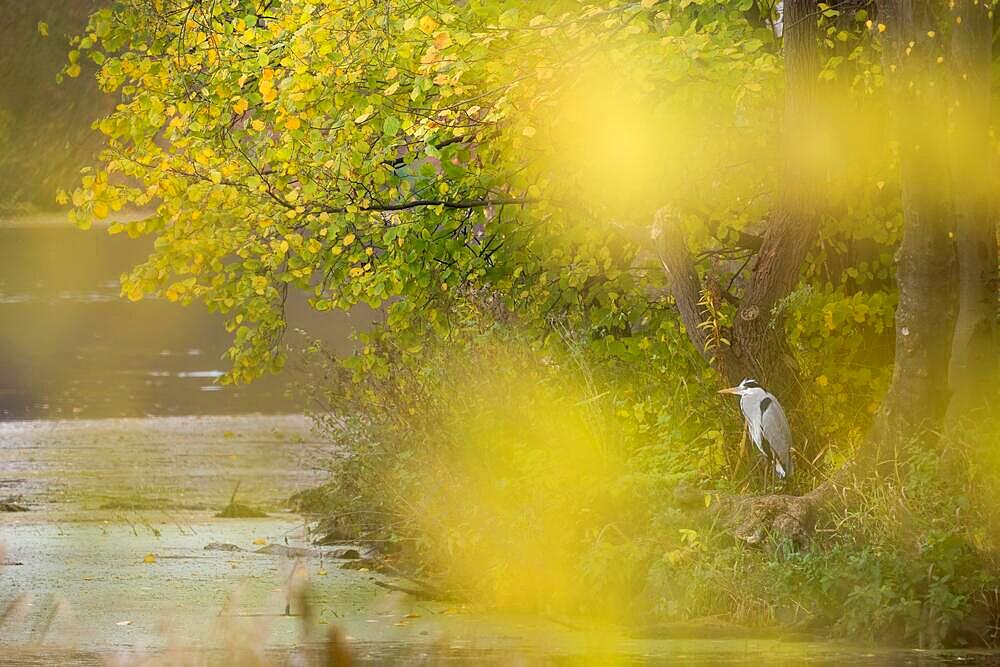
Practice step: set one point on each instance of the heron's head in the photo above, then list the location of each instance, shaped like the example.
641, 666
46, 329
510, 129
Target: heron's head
744, 387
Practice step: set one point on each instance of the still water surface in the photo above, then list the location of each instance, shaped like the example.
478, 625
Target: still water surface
71, 347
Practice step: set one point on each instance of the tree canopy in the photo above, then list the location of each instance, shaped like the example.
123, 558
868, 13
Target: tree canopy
370, 150
405, 155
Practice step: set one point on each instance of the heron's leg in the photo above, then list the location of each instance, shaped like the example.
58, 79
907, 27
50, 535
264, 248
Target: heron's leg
751, 474
770, 473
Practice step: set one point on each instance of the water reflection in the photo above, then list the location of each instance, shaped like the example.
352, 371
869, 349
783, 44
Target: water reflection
69, 346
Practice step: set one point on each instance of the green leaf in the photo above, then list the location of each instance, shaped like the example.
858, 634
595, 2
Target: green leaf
390, 126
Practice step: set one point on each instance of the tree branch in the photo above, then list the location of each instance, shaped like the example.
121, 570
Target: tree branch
686, 288
417, 203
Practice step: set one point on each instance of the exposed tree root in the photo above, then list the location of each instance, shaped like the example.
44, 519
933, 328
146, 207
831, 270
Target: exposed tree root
776, 517
752, 519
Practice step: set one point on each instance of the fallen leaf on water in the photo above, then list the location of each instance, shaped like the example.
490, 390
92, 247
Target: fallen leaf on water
124, 623
88, 578
150, 558
260, 540
321, 572
412, 614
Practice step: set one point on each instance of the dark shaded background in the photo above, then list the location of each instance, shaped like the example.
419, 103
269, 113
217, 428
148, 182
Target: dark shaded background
45, 134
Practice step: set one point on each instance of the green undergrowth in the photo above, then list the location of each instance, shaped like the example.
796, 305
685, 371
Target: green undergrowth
546, 478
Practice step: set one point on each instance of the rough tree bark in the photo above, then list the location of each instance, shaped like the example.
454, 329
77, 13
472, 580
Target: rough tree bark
758, 336
757, 343
975, 353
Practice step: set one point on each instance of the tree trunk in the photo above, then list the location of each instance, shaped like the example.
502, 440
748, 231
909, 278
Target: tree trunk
974, 349
758, 347
758, 335
918, 395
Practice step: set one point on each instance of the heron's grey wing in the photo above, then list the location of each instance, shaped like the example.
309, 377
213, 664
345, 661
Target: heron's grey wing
777, 432
751, 412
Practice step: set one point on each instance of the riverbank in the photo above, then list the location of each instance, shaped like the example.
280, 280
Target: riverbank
109, 564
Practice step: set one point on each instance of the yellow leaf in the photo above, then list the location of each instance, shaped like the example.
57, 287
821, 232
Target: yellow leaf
62, 198
257, 125
260, 540
293, 123
349, 239
101, 210
356, 271
266, 87
822, 381
43, 28
241, 105
73, 70
427, 24
442, 40
149, 559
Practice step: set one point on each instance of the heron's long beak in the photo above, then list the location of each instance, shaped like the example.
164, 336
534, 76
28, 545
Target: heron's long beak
731, 390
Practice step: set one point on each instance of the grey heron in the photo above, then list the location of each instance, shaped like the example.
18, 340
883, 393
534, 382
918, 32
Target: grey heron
766, 423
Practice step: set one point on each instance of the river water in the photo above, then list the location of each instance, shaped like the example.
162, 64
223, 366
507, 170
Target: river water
70, 347
116, 437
